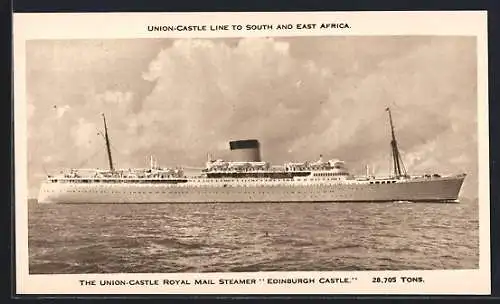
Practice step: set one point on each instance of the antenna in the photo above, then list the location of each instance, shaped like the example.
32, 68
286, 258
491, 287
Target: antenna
110, 159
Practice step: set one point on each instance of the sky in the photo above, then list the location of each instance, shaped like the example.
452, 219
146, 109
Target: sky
179, 99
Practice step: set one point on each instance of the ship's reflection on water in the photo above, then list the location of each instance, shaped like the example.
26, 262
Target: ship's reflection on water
252, 237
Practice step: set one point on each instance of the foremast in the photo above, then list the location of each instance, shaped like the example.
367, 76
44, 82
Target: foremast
397, 161
108, 148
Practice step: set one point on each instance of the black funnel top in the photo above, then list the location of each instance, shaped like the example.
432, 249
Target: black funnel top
244, 144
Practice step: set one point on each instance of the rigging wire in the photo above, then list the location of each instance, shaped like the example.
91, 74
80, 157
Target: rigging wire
118, 152
85, 161
391, 170
100, 150
44, 169
397, 160
402, 153
376, 118
99, 132
421, 139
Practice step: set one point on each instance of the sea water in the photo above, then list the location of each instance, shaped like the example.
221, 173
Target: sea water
166, 238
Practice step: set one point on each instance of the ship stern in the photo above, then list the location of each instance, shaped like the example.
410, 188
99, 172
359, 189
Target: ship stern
44, 194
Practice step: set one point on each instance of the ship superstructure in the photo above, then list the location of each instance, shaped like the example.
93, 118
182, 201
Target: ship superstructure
246, 178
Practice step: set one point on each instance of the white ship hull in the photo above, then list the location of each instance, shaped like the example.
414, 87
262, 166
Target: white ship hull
442, 189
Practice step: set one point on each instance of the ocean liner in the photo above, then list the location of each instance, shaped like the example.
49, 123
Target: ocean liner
246, 178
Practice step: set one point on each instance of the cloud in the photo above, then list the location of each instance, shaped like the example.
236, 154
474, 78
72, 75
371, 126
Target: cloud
116, 98
300, 97
206, 91
83, 132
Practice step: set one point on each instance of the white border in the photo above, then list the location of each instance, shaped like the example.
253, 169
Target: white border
133, 25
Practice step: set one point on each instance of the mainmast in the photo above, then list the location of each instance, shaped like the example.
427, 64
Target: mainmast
110, 159
399, 169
